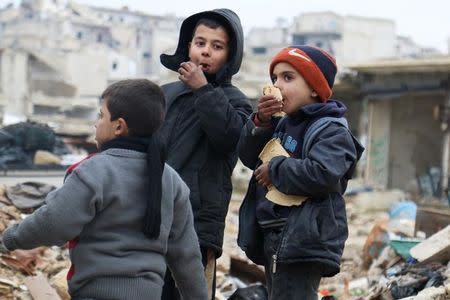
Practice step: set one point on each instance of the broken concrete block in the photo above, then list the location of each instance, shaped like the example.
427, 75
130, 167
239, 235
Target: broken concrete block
435, 248
432, 293
43, 157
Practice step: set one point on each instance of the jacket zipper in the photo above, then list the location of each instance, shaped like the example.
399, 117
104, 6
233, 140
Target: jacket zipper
275, 256
274, 263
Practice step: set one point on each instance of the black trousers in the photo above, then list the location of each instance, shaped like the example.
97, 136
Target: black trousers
291, 281
170, 290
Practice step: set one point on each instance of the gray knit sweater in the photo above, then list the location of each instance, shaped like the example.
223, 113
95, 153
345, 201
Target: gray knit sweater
103, 203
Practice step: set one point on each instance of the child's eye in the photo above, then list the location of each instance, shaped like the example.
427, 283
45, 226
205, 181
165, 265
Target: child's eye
99, 115
218, 47
200, 43
274, 79
287, 77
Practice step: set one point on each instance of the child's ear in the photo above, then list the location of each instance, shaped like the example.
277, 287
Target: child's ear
121, 128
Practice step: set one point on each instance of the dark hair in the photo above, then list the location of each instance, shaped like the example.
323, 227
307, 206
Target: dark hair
139, 102
142, 105
213, 24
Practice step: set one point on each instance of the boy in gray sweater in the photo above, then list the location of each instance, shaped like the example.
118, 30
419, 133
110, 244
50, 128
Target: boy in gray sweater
125, 212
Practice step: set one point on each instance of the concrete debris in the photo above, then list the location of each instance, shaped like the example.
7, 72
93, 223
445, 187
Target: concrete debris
36, 146
372, 267
42, 157
38, 273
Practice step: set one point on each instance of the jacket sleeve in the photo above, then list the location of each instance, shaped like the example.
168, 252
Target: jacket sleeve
252, 141
221, 117
61, 219
183, 250
332, 154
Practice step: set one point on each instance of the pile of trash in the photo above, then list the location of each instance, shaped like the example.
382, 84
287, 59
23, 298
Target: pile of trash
398, 256
31, 145
40, 273
396, 250
36, 274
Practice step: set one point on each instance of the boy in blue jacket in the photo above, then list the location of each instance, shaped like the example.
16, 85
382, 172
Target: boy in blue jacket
205, 116
298, 244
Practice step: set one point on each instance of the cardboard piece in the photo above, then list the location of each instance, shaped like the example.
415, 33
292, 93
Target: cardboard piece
40, 289
271, 149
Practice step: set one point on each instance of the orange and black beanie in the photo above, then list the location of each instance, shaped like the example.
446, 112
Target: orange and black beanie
316, 66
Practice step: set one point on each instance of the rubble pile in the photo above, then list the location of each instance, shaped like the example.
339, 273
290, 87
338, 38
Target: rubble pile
40, 273
387, 255
32, 145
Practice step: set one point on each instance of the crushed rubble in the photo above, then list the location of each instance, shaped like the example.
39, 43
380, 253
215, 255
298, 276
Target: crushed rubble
382, 259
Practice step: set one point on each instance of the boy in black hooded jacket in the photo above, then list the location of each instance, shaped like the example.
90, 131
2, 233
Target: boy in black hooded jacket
205, 115
298, 244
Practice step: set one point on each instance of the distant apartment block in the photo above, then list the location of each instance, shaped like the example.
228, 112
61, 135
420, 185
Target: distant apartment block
56, 57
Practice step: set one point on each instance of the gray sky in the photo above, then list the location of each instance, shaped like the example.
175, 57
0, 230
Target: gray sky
426, 21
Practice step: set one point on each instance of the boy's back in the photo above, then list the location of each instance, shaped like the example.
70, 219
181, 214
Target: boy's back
125, 213
117, 182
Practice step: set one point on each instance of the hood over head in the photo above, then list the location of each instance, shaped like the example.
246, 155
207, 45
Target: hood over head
233, 25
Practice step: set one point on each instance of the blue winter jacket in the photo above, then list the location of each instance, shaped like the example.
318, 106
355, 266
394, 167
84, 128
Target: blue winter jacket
315, 231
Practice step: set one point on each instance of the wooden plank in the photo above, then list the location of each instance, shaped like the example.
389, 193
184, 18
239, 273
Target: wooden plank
436, 248
40, 289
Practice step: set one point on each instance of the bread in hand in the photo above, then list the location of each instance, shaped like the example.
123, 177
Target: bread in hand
276, 93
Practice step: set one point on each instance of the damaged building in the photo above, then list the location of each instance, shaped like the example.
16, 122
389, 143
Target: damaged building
406, 118
57, 57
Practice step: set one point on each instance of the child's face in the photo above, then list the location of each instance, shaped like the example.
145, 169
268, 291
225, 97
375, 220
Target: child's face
105, 129
296, 92
209, 48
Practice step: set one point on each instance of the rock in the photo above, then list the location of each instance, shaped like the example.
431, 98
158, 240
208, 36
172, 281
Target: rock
42, 157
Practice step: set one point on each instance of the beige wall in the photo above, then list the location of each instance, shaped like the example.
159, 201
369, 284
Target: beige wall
405, 141
377, 167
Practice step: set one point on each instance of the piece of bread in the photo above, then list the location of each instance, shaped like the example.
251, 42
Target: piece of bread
276, 93
271, 149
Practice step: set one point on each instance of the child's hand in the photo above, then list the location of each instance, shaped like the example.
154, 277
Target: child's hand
262, 175
267, 106
192, 75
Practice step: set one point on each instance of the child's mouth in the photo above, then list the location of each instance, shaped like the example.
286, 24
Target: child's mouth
204, 67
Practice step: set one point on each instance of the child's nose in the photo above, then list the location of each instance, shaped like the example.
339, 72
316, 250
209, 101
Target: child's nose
206, 51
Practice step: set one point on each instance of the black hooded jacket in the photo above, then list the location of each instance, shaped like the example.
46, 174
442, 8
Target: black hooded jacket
202, 129
315, 231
